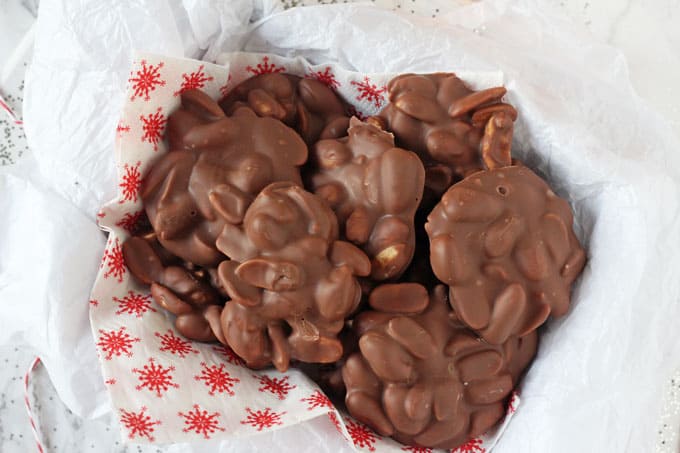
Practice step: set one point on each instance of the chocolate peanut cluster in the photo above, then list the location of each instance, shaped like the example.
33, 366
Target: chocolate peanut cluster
511, 264
292, 283
214, 169
446, 123
306, 105
374, 189
441, 384
179, 287
405, 262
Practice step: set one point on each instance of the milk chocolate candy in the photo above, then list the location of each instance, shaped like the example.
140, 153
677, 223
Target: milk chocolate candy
504, 243
445, 122
306, 105
215, 168
374, 188
421, 377
328, 376
292, 283
184, 292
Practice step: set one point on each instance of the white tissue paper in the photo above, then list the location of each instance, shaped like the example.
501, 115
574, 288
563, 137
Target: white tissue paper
596, 383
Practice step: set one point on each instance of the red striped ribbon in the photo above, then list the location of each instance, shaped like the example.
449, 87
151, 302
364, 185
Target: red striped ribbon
27, 401
10, 112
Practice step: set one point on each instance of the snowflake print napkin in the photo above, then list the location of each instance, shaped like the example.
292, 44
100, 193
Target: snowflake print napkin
163, 387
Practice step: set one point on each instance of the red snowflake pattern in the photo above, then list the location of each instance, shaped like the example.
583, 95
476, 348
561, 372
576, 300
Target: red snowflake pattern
224, 89
512, 403
193, 80
229, 354
94, 302
333, 416
134, 304
369, 92
200, 421
361, 435
155, 378
153, 125
138, 424
116, 342
174, 344
130, 183
145, 80
327, 78
262, 419
110, 381
265, 67
114, 261
317, 399
417, 449
120, 128
217, 379
134, 222
471, 446
352, 111
276, 386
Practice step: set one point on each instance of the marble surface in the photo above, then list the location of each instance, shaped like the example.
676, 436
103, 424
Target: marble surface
16, 19
646, 32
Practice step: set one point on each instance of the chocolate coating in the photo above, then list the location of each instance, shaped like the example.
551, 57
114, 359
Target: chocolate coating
445, 122
374, 189
329, 375
215, 167
422, 377
183, 292
306, 105
292, 283
504, 243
